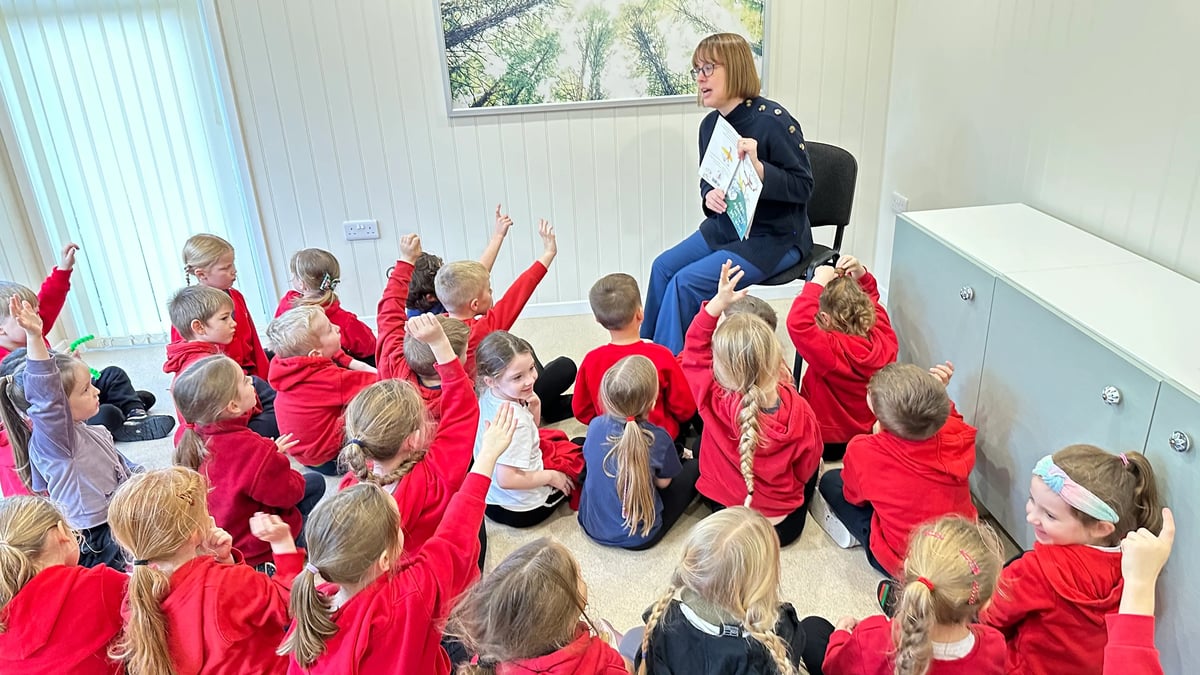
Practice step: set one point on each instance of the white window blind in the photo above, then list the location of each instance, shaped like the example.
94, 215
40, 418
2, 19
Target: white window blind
119, 127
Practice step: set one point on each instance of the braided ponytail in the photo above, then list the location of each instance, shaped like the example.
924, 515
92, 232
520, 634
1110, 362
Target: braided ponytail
380, 420
750, 439
656, 612
746, 358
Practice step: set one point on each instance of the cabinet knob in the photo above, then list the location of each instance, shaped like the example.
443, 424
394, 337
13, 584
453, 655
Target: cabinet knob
1111, 395
1180, 442
966, 293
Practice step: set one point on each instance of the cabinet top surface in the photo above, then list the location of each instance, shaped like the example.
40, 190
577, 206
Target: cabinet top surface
1137, 306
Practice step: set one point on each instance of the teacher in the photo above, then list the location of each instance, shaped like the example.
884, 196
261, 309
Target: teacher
685, 275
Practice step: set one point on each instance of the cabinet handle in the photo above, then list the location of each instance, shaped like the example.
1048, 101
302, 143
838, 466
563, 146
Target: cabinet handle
1111, 395
1180, 442
966, 293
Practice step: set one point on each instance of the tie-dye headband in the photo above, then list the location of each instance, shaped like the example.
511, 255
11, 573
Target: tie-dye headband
1073, 493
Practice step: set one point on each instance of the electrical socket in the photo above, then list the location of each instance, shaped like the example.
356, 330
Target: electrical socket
361, 229
899, 202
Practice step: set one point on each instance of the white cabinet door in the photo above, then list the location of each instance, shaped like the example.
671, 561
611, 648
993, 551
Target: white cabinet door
939, 304
1041, 390
1176, 419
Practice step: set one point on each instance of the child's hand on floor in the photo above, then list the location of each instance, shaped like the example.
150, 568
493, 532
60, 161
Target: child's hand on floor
285, 443
503, 222
726, 289
943, 372
851, 266
26, 316
823, 275
273, 530
549, 242
497, 436
410, 248
217, 543
67, 262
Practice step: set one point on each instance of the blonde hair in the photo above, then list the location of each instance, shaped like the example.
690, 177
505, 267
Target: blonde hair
950, 572
378, 421
201, 251
1128, 486
11, 288
14, 407
850, 309
731, 560
495, 352
746, 359
319, 272
293, 333
196, 303
458, 283
25, 521
733, 52
347, 533
615, 300
628, 391
528, 606
202, 392
153, 515
908, 401
420, 357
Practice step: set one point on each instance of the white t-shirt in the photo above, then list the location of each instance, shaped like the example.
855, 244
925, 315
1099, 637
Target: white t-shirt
523, 453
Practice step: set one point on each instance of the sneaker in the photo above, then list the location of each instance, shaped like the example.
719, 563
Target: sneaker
136, 414
829, 522
885, 593
146, 428
148, 400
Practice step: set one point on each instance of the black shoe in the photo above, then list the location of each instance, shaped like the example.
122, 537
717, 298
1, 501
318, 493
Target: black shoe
148, 400
885, 593
144, 428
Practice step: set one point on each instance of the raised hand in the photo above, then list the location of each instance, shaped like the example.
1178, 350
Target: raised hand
410, 248
67, 261
497, 436
727, 292
273, 530
503, 223
851, 266
943, 372
26, 316
823, 275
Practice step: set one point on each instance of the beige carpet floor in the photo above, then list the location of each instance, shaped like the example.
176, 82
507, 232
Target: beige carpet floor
817, 576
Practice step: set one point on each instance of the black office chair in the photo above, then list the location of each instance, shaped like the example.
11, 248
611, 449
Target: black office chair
835, 172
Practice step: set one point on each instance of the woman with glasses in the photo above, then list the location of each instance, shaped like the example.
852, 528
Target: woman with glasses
779, 236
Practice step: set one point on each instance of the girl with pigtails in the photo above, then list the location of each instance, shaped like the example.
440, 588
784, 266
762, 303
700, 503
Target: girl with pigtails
316, 274
636, 488
761, 444
950, 573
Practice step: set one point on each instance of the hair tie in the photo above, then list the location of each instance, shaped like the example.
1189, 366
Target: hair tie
355, 441
1124, 459
309, 567
928, 583
631, 418
137, 563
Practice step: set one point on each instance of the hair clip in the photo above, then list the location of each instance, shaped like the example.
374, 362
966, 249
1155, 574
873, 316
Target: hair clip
187, 497
329, 283
974, 567
1124, 459
935, 534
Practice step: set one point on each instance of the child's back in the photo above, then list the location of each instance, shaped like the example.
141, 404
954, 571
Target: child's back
316, 274
675, 405
869, 651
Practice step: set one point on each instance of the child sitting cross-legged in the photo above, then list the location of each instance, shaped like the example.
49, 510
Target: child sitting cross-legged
913, 470
617, 306
315, 278
247, 473
313, 381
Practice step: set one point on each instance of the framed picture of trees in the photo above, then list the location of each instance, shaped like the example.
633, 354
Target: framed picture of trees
508, 55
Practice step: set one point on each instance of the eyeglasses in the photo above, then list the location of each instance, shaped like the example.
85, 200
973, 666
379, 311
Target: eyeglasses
707, 69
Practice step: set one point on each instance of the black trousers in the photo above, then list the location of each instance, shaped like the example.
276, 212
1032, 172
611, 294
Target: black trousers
676, 498
97, 547
524, 519
117, 398
790, 528
264, 423
857, 519
554, 379
834, 452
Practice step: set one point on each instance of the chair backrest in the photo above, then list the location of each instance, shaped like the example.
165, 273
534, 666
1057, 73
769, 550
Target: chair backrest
835, 172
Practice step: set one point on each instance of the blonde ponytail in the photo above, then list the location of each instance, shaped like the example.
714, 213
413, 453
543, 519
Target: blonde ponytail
379, 419
24, 523
313, 624
202, 394
750, 439
656, 613
628, 391
914, 628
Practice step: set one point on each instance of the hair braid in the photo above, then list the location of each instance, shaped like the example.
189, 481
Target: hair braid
912, 629
748, 422
652, 620
777, 649
399, 472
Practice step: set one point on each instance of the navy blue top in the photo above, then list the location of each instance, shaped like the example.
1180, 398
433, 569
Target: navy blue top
781, 219
600, 505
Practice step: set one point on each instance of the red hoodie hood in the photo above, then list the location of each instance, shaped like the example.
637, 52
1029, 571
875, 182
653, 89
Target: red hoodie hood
864, 356
1082, 575
947, 458
42, 616
587, 655
180, 355
291, 371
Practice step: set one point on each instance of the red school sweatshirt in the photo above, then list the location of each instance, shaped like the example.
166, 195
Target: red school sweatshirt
1051, 605
423, 495
246, 474
840, 365
63, 621
1130, 649
868, 651
357, 339
393, 320
675, 405
394, 625
790, 450
246, 347
504, 313
910, 482
311, 394
224, 619
586, 655
51, 298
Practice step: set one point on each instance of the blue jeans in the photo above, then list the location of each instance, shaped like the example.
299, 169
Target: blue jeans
684, 276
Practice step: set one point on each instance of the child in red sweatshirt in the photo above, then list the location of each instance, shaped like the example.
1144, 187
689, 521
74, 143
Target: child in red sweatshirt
844, 334
247, 473
913, 470
387, 611
203, 317
761, 444
388, 439
1053, 600
315, 277
950, 571
399, 356
617, 305
313, 381
1130, 649
221, 616
209, 258
524, 617
60, 618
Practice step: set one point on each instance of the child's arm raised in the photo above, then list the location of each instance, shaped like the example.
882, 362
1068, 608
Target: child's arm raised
32, 323
811, 341
697, 356
391, 315
504, 313
549, 242
52, 296
503, 223
450, 452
